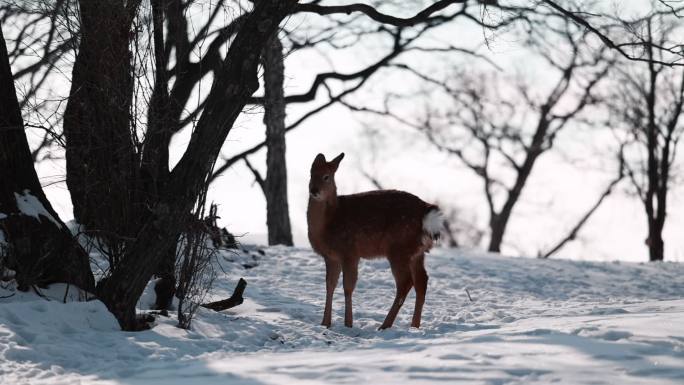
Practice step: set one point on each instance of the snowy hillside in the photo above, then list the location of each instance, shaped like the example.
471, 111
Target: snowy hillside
529, 321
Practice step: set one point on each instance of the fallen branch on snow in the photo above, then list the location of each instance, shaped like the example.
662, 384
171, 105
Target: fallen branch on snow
234, 300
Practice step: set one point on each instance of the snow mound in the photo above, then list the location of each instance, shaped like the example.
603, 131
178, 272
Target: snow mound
521, 321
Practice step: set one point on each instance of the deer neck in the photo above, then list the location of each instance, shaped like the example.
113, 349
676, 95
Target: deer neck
320, 213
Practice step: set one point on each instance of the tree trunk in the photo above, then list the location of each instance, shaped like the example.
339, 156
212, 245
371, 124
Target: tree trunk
497, 227
100, 154
41, 248
655, 243
275, 186
655, 236
155, 157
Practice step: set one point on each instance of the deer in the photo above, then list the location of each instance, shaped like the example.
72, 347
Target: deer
393, 224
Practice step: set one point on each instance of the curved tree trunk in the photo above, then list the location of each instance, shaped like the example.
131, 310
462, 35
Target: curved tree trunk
100, 154
41, 248
499, 221
497, 227
275, 186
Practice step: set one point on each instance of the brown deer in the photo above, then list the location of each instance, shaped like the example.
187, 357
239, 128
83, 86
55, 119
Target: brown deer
385, 223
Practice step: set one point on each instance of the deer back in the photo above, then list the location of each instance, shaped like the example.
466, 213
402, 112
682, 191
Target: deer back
376, 223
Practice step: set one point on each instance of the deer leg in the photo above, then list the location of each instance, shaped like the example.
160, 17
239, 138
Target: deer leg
402, 278
332, 275
350, 270
420, 280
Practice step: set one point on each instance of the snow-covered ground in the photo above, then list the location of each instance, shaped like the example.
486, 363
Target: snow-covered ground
529, 321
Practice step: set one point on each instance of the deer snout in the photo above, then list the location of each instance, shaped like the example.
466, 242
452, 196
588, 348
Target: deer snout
316, 193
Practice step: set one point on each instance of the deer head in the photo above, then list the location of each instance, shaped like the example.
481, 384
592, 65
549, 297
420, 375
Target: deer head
322, 184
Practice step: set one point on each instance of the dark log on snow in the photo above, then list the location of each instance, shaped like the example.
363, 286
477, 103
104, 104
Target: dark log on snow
234, 300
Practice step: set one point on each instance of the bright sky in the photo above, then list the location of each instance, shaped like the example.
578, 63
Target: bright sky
557, 194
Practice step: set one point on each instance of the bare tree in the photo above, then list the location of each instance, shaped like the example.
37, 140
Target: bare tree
517, 135
646, 109
499, 128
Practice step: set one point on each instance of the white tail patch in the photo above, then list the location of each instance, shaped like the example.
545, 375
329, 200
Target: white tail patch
433, 223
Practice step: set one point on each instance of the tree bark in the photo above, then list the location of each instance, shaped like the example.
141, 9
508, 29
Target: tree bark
155, 157
41, 248
100, 154
275, 186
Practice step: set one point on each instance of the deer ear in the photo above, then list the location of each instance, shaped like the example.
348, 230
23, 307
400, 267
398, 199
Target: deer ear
318, 161
336, 162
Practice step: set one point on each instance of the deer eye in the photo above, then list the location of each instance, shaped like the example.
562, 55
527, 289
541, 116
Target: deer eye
326, 178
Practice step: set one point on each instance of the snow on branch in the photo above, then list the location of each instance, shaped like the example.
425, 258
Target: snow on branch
29, 205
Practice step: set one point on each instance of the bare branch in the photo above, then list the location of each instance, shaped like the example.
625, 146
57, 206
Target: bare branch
572, 234
577, 18
426, 14
257, 176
